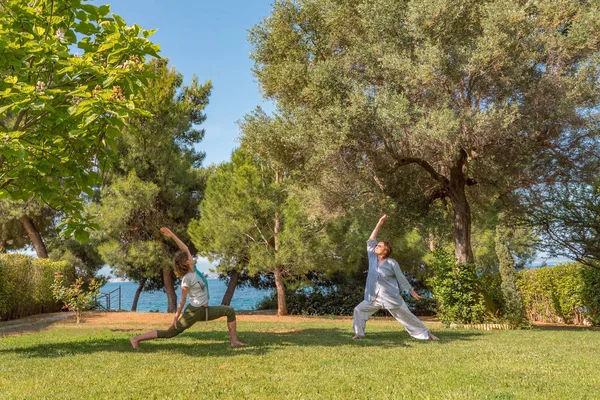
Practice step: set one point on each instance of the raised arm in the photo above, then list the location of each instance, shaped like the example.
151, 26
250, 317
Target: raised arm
167, 232
374, 233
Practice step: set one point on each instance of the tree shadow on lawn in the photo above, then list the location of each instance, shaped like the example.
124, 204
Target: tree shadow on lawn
216, 344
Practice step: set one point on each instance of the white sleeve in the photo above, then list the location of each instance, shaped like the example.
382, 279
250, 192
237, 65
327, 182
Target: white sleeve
402, 281
185, 282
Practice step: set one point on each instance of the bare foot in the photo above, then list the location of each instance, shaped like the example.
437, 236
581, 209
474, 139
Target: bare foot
433, 337
356, 337
134, 343
237, 344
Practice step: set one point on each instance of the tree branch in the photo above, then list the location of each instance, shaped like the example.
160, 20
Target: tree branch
439, 193
19, 119
423, 164
42, 115
6, 183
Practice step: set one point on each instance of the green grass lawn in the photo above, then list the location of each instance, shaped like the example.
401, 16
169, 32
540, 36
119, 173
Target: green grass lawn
308, 359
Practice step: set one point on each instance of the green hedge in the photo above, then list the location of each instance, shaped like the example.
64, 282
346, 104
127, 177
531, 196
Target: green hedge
25, 285
566, 293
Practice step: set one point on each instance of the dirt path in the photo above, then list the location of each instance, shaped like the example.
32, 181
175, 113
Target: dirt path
35, 323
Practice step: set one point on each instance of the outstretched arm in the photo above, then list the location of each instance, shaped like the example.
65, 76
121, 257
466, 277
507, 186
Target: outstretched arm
381, 221
167, 232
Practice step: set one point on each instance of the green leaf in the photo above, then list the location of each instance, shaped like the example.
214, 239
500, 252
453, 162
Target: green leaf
38, 105
119, 20
65, 70
70, 36
148, 33
105, 46
86, 28
88, 190
89, 119
5, 108
104, 10
108, 81
91, 10
112, 132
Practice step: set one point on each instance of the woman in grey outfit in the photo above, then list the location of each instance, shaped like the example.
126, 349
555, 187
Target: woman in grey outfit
385, 281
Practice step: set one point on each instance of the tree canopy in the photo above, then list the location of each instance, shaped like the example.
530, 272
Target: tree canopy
252, 218
425, 99
71, 73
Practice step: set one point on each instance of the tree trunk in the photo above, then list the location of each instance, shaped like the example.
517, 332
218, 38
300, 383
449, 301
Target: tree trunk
233, 281
170, 289
34, 236
138, 292
281, 304
462, 212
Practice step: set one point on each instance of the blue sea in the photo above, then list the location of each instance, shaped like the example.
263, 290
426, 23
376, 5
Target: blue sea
243, 298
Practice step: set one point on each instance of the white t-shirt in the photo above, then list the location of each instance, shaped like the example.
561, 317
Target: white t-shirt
198, 292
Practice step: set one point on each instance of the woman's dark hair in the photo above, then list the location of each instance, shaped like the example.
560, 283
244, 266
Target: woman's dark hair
181, 266
387, 246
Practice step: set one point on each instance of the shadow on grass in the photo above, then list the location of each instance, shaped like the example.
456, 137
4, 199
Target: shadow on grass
216, 343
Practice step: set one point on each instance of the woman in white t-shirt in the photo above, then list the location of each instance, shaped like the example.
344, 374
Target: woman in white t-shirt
194, 285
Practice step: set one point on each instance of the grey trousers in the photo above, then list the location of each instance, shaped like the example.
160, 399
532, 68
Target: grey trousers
411, 323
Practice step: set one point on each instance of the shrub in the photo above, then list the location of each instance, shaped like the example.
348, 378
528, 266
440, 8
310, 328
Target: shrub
3, 292
567, 293
25, 285
591, 293
456, 288
76, 297
317, 301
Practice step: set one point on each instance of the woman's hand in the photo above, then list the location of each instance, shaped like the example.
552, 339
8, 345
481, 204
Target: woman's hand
374, 233
167, 232
415, 294
175, 321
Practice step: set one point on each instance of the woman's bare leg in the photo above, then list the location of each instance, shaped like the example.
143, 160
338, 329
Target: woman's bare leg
233, 334
135, 341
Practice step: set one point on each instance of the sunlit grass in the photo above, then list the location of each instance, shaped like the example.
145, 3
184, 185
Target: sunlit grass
306, 359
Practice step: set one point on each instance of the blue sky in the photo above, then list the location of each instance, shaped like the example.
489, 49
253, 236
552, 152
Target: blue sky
208, 39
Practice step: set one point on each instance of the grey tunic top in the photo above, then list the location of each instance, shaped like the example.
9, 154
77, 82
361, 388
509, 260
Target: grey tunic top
384, 281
